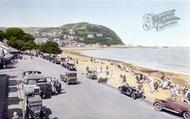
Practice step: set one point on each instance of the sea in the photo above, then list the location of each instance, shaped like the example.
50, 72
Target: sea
172, 59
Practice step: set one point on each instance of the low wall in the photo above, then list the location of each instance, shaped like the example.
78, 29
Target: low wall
3, 96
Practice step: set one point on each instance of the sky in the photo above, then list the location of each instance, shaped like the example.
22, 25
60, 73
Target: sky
125, 17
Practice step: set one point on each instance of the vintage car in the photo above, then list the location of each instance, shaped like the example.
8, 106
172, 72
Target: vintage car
103, 80
71, 66
34, 108
37, 84
64, 64
92, 74
131, 91
176, 107
69, 77
56, 61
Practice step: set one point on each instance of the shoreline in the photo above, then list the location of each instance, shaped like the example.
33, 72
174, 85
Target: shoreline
177, 77
133, 64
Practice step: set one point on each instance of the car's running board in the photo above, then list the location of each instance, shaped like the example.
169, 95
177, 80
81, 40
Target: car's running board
171, 110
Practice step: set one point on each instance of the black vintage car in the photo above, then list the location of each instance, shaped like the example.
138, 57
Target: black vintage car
71, 66
92, 74
131, 91
56, 61
45, 90
34, 108
64, 64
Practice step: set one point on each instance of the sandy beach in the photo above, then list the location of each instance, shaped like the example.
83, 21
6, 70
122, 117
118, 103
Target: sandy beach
115, 72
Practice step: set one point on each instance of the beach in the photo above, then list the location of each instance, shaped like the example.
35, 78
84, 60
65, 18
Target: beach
114, 77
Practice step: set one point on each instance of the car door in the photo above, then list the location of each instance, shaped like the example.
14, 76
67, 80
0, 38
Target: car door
168, 104
179, 107
124, 89
128, 90
173, 105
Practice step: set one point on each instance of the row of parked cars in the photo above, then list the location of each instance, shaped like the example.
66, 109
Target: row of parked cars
70, 76
35, 88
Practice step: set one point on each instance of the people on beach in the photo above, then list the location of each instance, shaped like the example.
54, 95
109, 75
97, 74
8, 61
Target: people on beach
187, 94
152, 88
101, 69
173, 94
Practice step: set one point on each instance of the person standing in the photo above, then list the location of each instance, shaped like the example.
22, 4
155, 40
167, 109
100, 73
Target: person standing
173, 94
15, 116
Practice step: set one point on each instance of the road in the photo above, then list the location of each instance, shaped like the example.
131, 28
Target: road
89, 100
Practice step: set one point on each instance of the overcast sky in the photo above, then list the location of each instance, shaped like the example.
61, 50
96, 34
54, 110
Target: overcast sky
123, 16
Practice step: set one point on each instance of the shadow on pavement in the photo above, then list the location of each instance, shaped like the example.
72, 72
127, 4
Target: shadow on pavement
13, 76
172, 113
12, 82
77, 83
13, 89
10, 67
13, 100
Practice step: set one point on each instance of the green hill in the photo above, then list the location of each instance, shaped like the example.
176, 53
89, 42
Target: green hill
101, 34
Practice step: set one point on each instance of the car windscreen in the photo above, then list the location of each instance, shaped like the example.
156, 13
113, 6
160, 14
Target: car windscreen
72, 74
36, 103
72, 65
31, 82
42, 80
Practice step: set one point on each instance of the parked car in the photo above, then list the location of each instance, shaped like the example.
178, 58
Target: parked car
64, 64
92, 74
37, 84
131, 91
69, 77
103, 80
71, 66
56, 61
176, 107
45, 90
34, 108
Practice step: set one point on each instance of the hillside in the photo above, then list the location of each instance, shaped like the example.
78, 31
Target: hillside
93, 34
77, 33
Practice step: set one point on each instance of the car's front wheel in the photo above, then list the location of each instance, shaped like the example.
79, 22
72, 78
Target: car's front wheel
133, 96
120, 90
186, 115
158, 106
67, 82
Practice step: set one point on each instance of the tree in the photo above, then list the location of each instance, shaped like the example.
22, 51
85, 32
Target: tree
50, 47
27, 37
18, 44
28, 45
14, 33
2, 35
16, 38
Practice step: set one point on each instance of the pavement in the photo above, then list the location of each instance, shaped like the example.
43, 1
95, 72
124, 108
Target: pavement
88, 99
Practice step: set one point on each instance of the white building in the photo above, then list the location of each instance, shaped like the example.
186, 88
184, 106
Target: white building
90, 36
41, 40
